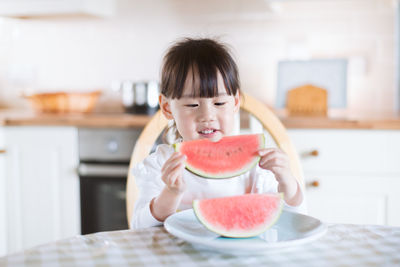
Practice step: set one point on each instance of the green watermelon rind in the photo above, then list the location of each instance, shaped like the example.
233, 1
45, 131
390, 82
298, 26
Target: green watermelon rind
225, 175
200, 218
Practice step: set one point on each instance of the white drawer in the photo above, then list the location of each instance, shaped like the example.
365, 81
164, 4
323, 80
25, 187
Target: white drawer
349, 151
355, 199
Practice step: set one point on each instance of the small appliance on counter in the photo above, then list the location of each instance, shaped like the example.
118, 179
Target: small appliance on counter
139, 97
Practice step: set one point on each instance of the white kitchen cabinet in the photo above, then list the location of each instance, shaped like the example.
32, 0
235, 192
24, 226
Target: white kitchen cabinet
42, 185
3, 222
32, 8
353, 176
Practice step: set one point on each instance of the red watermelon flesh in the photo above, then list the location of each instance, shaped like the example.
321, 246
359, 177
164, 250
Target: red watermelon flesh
229, 157
239, 216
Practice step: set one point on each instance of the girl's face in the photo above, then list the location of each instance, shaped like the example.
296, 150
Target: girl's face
200, 117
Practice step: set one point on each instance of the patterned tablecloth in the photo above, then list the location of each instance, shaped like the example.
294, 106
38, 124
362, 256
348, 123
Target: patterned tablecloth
342, 245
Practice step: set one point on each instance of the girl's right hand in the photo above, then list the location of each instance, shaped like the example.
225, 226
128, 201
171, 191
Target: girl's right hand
172, 173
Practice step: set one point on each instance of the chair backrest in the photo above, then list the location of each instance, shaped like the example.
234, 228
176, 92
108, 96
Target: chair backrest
157, 124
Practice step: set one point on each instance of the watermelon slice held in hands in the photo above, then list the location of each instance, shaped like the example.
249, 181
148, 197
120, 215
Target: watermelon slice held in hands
239, 216
229, 157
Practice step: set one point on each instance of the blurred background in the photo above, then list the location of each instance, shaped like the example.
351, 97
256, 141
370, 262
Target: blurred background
85, 45
91, 70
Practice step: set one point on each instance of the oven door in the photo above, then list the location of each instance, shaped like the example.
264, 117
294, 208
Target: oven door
102, 191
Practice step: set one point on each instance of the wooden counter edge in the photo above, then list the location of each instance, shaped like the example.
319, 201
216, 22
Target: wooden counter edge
131, 120
90, 120
332, 123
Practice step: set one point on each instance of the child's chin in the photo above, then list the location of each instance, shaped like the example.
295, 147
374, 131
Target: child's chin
214, 138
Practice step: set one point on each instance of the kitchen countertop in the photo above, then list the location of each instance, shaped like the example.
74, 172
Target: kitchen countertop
29, 118
335, 120
343, 120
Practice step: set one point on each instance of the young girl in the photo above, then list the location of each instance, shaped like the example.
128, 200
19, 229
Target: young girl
200, 93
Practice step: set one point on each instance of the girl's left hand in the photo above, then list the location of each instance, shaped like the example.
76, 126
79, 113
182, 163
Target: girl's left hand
276, 161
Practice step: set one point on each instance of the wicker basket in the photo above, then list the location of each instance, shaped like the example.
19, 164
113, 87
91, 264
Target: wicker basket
61, 102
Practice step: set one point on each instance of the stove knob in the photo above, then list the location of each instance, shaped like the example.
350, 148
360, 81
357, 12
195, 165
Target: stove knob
112, 146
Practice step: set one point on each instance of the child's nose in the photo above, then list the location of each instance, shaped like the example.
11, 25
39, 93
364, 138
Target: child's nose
206, 114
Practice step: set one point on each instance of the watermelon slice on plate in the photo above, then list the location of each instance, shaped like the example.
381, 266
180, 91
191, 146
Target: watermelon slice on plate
229, 157
239, 216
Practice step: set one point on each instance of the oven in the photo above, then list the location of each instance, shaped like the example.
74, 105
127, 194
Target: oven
104, 156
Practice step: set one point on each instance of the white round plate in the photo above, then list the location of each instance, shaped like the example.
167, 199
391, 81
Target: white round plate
291, 229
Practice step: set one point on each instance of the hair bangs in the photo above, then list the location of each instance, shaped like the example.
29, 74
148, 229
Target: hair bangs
198, 62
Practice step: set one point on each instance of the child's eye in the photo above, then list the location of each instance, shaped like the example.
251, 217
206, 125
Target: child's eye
220, 103
191, 105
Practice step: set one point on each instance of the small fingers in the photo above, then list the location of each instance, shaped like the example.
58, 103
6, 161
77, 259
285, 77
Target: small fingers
177, 168
173, 170
274, 156
175, 180
175, 160
271, 166
264, 151
176, 156
271, 161
179, 182
172, 167
171, 178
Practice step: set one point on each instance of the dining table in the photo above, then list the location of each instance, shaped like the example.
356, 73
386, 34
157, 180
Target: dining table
340, 245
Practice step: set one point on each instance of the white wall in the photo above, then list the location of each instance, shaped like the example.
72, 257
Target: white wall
86, 53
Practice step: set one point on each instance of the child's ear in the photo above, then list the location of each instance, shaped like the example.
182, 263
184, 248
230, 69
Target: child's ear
165, 107
237, 101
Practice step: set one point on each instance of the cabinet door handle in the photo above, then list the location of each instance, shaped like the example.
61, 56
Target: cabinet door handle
3, 151
312, 153
314, 183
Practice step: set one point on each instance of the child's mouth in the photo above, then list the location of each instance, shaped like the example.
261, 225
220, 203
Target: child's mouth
207, 132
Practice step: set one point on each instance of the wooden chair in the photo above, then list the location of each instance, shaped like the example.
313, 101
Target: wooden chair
156, 125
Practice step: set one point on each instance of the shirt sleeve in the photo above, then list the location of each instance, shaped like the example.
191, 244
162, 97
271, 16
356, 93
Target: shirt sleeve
148, 180
263, 181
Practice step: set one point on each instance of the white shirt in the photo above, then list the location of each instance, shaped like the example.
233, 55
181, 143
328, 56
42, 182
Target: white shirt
148, 179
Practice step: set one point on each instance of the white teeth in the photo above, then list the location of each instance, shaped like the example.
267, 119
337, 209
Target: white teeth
207, 131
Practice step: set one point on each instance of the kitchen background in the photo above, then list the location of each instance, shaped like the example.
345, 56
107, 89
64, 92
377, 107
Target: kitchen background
76, 52
65, 174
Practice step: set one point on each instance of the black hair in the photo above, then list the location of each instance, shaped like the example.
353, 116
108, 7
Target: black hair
204, 58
